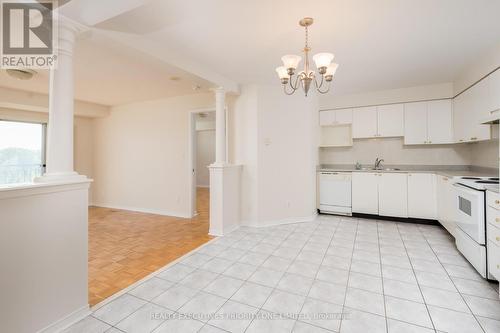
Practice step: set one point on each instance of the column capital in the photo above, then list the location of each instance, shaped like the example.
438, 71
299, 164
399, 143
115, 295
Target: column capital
67, 32
219, 90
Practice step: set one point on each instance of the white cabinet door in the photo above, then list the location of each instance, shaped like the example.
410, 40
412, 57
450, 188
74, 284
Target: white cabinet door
365, 192
415, 120
494, 90
390, 120
393, 194
439, 122
343, 117
445, 203
326, 118
364, 122
478, 111
459, 118
441, 191
422, 195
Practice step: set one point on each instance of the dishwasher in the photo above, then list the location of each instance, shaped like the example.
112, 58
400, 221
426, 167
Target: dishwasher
334, 190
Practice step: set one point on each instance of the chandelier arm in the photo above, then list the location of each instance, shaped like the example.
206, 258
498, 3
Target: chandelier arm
323, 91
295, 85
286, 91
318, 87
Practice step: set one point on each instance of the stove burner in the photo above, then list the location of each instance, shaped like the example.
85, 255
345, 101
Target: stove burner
487, 182
473, 178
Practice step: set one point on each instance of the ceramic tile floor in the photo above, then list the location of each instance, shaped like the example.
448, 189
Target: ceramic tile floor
382, 276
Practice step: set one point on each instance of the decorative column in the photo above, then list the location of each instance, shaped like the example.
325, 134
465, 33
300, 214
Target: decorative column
224, 177
220, 126
61, 108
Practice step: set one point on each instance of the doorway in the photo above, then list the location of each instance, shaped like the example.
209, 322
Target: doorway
202, 154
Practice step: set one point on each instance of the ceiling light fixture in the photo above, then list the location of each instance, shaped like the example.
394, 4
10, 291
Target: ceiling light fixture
21, 73
323, 61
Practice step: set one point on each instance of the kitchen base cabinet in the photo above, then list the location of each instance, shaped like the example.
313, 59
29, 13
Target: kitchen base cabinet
365, 192
422, 196
380, 193
445, 203
393, 192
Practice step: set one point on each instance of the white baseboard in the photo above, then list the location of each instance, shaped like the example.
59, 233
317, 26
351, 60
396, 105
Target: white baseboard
67, 321
271, 223
143, 210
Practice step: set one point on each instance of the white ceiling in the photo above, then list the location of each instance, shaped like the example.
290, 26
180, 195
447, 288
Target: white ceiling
111, 74
379, 44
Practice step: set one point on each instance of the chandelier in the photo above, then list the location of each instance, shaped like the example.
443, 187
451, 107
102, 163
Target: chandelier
323, 61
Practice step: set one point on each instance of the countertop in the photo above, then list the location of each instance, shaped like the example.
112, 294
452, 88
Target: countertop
442, 170
492, 188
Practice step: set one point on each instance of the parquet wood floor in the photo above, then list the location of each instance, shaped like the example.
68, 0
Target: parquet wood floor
125, 246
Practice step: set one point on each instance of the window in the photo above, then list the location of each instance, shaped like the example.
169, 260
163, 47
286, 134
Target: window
22, 151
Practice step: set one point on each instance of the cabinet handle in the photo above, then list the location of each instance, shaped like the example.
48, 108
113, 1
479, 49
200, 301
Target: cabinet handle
497, 202
497, 219
498, 239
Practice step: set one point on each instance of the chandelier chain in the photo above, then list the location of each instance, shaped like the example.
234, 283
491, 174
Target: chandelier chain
307, 37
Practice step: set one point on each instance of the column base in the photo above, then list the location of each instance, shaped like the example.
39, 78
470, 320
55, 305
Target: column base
57, 177
224, 198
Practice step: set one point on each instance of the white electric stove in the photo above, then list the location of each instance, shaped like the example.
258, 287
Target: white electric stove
470, 218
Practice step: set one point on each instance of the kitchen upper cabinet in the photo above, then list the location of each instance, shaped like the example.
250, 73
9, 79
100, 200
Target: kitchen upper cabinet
365, 192
390, 120
494, 91
335, 117
343, 117
428, 122
422, 196
393, 194
470, 108
439, 122
377, 121
364, 122
415, 120
326, 117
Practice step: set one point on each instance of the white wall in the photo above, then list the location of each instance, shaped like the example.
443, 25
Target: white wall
276, 138
410, 94
205, 155
476, 70
43, 251
140, 155
245, 148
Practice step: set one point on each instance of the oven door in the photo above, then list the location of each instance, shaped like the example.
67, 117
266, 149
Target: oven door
469, 212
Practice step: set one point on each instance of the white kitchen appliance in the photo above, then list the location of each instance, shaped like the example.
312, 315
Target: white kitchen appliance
470, 218
335, 195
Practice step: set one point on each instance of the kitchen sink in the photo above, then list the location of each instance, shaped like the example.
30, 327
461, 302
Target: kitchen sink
383, 169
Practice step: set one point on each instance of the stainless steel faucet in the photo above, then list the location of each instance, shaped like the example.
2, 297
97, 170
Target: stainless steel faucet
377, 163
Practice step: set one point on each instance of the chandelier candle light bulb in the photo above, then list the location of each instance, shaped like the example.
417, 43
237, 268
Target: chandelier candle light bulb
323, 61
